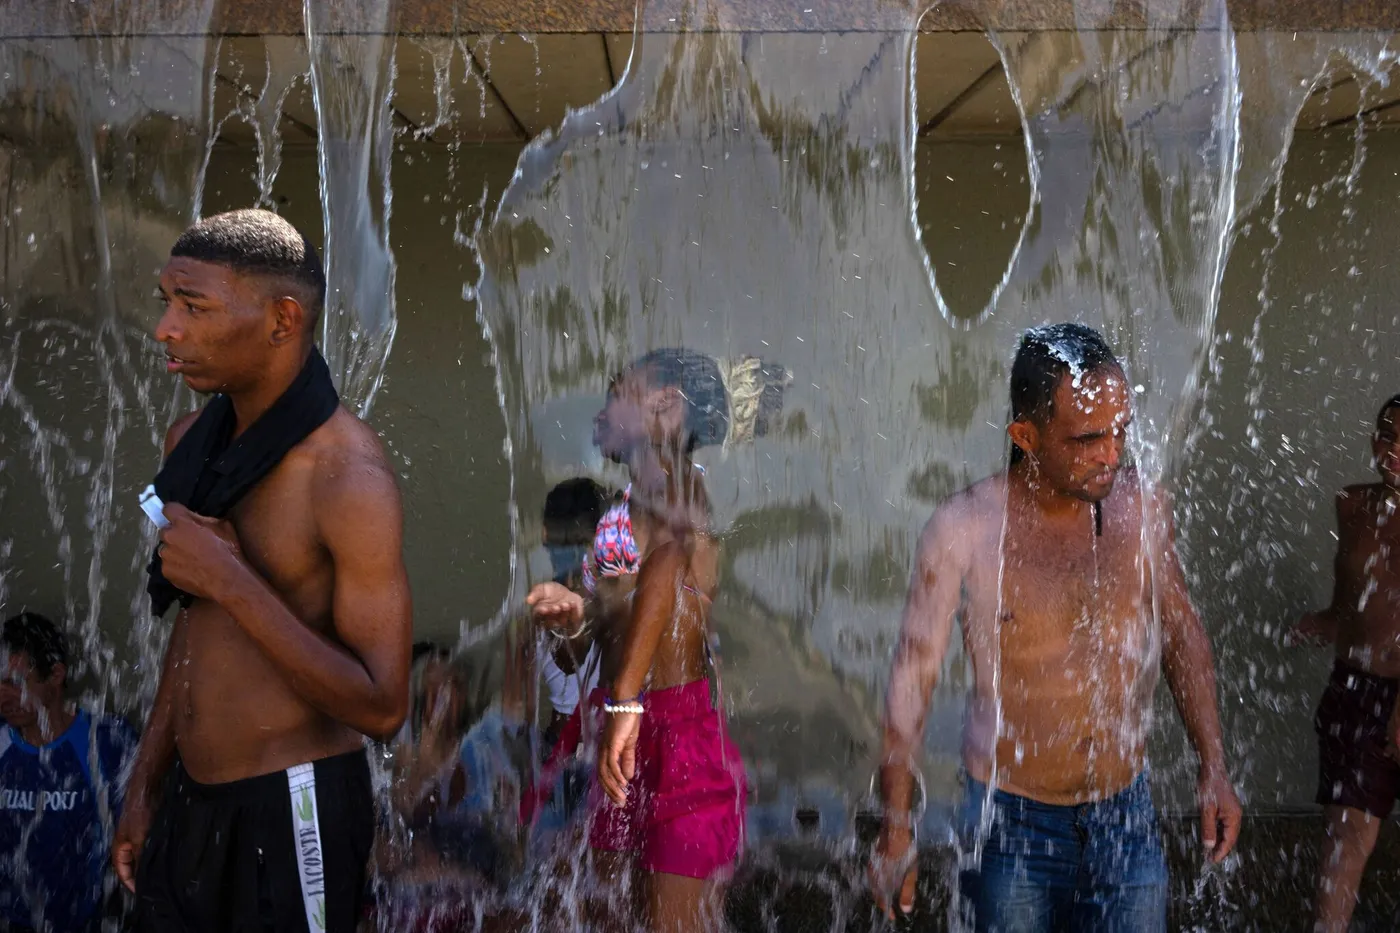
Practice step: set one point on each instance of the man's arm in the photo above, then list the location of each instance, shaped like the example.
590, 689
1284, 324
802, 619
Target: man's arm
363, 680
1190, 671
155, 752
1320, 628
361, 676
935, 594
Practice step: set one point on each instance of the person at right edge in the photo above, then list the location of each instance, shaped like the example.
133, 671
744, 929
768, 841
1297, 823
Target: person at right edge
1054, 567
249, 805
1358, 721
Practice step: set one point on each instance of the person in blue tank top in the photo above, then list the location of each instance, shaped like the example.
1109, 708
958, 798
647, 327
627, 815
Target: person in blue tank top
62, 772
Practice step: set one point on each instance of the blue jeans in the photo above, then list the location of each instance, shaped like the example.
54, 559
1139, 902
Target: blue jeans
1091, 868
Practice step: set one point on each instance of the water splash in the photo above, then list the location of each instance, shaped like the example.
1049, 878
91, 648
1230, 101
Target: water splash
105, 146
441, 49
351, 49
737, 192
286, 64
724, 157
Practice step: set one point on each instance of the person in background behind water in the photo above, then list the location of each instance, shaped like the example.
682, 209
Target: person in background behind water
1059, 570
571, 513
672, 790
250, 804
1358, 720
61, 775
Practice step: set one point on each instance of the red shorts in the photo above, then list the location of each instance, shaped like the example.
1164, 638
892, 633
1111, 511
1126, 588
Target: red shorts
1352, 719
685, 805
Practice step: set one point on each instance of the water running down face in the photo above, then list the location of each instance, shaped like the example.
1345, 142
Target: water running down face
1077, 449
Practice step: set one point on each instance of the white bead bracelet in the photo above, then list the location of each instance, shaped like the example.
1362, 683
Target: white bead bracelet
624, 708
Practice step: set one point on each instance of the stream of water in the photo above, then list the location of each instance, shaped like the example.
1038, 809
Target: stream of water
737, 193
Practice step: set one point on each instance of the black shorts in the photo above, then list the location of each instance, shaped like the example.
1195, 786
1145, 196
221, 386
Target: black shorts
1354, 767
279, 852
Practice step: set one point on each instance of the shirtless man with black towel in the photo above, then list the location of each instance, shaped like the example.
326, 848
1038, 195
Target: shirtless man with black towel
250, 805
1064, 574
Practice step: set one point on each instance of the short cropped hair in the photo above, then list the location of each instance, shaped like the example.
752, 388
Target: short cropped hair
572, 510
1045, 356
258, 242
38, 638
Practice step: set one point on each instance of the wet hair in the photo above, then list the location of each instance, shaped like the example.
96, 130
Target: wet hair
572, 510
261, 243
38, 638
1390, 405
724, 402
1045, 356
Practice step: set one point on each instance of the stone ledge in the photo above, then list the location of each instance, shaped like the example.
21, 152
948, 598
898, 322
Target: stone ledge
26, 18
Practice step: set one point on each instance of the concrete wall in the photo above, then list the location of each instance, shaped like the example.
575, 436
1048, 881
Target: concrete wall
1255, 509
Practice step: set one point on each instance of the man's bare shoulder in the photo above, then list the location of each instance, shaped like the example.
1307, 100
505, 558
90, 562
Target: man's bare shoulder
1359, 494
346, 450
970, 510
343, 465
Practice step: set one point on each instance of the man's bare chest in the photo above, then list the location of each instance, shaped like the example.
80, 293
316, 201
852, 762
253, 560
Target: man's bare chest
1071, 596
1371, 560
276, 528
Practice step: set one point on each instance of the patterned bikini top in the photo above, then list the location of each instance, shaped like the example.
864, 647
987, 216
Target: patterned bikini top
614, 552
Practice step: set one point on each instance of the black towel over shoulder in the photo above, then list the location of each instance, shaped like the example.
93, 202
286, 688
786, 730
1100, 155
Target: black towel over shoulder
208, 472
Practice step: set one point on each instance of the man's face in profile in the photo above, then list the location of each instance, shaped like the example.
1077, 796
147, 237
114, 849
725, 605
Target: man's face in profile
1080, 446
215, 325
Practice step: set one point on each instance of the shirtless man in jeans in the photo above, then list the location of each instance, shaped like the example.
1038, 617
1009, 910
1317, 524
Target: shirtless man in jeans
249, 805
1054, 568
1357, 723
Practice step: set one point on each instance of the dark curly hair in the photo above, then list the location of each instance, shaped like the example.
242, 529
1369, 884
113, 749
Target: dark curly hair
35, 636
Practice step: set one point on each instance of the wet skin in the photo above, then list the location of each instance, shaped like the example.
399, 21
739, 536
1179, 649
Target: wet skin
297, 644
1065, 616
1363, 620
651, 627
669, 506
1363, 623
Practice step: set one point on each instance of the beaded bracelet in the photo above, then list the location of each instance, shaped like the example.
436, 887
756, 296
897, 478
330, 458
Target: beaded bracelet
633, 705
